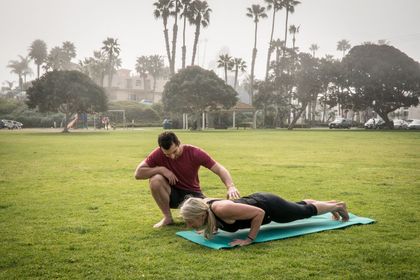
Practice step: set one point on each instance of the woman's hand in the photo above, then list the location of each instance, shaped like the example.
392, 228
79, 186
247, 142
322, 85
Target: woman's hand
240, 242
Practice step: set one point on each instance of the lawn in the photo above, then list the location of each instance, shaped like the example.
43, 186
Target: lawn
71, 209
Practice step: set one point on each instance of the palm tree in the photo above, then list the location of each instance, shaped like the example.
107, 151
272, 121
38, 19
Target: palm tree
111, 49
313, 48
38, 52
142, 66
255, 12
200, 16
225, 61
343, 46
293, 30
185, 15
290, 8
238, 65
277, 5
156, 67
69, 51
278, 46
20, 68
163, 10
175, 13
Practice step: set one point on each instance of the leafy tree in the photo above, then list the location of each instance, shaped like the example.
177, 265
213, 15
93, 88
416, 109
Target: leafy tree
238, 65
68, 92
163, 10
308, 84
195, 90
200, 16
38, 52
95, 67
276, 5
225, 62
382, 77
111, 49
60, 58
256, 12
343, 45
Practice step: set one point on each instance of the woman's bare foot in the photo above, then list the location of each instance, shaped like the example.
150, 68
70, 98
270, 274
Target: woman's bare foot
164, 222
342, 211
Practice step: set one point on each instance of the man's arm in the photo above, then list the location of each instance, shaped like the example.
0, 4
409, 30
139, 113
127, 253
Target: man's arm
224, 175
144, 171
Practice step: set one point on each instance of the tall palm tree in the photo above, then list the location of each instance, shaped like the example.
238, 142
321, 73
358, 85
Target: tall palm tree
256, 12
163, 10
111, 49
175, 13
55, 59
293, 30
276, 5
38, 52
200, 16
313, 48
186, 14
343, 46
225, 61
142, 66
69, 52
290, 8
238, 65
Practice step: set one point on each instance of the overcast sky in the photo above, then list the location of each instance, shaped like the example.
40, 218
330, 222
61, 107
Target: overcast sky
87, 23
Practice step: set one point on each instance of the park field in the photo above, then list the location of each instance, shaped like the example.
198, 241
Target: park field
70, 207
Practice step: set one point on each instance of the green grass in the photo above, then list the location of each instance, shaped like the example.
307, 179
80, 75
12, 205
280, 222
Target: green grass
71, 209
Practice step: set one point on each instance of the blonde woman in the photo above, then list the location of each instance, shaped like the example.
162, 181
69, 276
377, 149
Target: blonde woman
251, 212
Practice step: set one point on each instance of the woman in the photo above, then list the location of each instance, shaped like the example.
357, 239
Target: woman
252, 212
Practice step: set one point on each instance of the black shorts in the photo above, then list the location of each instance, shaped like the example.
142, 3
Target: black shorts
178, 196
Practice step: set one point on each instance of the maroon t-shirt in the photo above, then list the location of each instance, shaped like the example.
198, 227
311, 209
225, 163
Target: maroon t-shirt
184, 167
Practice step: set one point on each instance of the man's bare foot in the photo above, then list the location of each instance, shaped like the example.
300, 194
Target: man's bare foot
342, 211
164, 222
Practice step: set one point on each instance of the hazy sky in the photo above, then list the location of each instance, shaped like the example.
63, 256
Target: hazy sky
87, 23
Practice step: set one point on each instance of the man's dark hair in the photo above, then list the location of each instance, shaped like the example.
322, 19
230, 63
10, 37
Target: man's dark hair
166, 139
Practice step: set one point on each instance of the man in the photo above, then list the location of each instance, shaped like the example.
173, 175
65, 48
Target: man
172, 170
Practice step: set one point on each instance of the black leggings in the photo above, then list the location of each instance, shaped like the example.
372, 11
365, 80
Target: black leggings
278, 209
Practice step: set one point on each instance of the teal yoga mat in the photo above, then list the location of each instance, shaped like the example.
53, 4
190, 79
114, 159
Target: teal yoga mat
274, 231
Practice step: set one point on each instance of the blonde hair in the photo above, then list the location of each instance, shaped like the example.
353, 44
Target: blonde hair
193, 208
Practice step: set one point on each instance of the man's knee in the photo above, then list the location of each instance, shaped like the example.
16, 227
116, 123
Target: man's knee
157, 182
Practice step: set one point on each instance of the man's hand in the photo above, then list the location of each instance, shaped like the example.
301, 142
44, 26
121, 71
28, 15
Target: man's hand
168, 174
240, 242
233, 193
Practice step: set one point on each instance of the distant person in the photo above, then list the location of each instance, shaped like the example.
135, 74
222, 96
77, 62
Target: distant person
251, 212
172, 170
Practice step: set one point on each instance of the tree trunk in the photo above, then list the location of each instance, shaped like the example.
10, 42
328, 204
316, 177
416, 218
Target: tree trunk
168, 52
296, 117
285, 28
197, 34
184, 48
236, 77
226, 74
269, 45
254, 55
37, 70
174, 38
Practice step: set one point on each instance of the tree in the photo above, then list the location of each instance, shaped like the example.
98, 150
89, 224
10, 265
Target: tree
38, 52
163, 10
225, 62
381, 77
238, 65
276, 5
95, 67
195, 90
186, 14
294, 30
313, 48
343, 45
20, 68
308, 84
68, 92
155, 68
69, 51
142, 65
255, 12
175, 13
290, 8
111, 49
200, 16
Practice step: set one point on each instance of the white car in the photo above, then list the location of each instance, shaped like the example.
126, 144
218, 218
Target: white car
415, 124
400, 124
374, 123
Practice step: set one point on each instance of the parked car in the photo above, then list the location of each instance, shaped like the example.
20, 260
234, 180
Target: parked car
340, 123
374, 123
415, 124
400, 124
10, 124
17, 125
